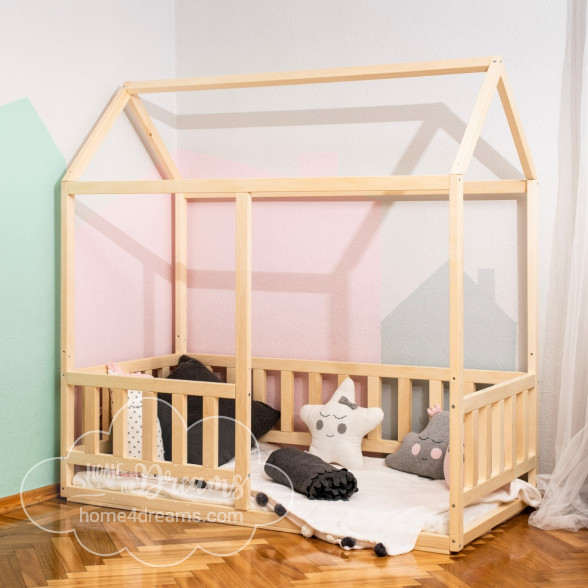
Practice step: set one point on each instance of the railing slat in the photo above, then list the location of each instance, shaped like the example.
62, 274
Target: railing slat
485, 444
287, 401
374, 399
497, 438
91, 420
210, 432
120, 423
404, 407
149, 425
471, 450
315, 388
522, 426
259, 385
436, 393
179, 429
510, 454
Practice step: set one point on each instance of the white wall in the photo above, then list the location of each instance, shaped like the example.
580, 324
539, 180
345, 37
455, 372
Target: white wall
61, 61
397, 126
68, 58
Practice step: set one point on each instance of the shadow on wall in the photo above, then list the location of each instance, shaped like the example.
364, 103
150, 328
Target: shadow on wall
434, 116
416, 332
430, 345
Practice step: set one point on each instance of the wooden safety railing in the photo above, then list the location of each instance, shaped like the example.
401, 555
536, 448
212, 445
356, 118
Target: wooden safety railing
499, 442
105, 427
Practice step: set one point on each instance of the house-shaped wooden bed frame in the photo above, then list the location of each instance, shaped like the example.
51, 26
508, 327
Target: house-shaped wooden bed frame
493, 414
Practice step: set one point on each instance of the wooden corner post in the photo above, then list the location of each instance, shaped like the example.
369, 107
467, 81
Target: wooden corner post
243, 351
532, 322
67, 334
456, 409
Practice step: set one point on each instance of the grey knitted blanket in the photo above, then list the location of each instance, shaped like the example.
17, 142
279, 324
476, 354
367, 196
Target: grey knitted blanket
310, 475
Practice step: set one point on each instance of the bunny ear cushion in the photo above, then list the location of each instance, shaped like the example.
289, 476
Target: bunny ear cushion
339, 426
423, 453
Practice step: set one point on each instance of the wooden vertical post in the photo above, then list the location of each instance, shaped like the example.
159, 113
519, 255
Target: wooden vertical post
67, 333
180, 274
243, 351
532, 321
456, 413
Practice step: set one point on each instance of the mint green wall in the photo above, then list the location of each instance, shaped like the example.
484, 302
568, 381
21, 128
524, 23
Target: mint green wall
31, 168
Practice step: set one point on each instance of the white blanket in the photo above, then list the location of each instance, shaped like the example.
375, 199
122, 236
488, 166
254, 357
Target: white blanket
390, 507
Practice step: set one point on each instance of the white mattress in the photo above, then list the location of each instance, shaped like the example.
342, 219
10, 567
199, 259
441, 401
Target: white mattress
390, 507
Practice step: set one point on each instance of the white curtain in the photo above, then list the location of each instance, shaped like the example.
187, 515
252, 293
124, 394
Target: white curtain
565, 504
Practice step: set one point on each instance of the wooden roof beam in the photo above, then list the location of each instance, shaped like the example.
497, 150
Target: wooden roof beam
316, 76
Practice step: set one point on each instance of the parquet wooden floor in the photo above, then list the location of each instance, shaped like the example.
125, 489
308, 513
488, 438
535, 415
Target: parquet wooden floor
512, 555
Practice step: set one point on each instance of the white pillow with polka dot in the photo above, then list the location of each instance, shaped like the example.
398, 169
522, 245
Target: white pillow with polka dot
135, 418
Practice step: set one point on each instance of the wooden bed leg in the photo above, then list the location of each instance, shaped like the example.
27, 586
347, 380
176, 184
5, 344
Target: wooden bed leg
456, 408
243, 352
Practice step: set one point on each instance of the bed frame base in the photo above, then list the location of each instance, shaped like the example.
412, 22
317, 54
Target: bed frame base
225, 514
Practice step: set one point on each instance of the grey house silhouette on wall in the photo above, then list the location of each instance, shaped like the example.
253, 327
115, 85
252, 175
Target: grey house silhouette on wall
416, 332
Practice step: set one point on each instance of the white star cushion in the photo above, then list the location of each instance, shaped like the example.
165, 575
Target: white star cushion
338, 426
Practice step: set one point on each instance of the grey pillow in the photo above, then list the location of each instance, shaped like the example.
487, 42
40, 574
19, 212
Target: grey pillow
423, 453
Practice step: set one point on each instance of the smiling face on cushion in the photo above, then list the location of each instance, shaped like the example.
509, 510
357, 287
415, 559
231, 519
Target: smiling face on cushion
423, 453
338, 426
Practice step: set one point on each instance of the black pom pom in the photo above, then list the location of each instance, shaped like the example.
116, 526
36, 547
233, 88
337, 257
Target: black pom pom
380, 550
348, 542
280, 510
261, 498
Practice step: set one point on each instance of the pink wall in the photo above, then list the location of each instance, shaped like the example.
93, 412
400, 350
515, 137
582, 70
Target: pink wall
123, 278
316, 275
316, 272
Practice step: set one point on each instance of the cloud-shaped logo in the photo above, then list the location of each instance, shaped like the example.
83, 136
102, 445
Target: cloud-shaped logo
155, 483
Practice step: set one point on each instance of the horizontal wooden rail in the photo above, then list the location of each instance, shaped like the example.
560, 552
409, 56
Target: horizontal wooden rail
498, 392
247, 185
350, 369
317, 76
304, 438
471, 495
306, 366
185, 387
283, 188
358, 369
482, 190
137, 365
123, 500
129, 464
487, 522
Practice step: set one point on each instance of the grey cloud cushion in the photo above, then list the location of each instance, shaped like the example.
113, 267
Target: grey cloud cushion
423, 453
